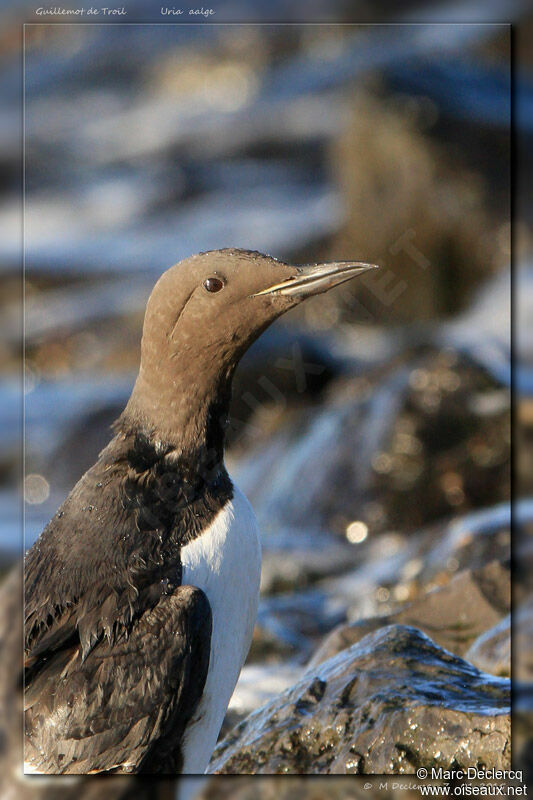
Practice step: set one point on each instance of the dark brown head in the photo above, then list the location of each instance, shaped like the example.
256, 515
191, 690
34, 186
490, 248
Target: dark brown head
202, 316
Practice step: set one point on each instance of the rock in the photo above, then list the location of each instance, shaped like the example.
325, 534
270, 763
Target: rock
345, 636
299, 558
474, 601
286, 366
394, 569
293, 623
471, 541
491, 652
522, 727
257, 684
317, 468
395, 449
389, 704
522, 641
272, 643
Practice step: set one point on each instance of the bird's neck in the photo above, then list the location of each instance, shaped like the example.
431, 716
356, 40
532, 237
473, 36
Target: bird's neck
188, 416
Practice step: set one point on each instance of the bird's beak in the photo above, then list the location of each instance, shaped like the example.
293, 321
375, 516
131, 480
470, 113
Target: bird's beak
316, 278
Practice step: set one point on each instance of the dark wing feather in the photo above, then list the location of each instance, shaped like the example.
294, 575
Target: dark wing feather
125, 707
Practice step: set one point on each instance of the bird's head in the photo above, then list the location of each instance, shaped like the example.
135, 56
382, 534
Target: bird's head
205, 312
212, 306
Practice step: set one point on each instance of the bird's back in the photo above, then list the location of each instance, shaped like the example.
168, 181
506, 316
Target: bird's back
105, 599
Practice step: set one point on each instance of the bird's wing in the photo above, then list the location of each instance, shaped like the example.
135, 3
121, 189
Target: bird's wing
125, 707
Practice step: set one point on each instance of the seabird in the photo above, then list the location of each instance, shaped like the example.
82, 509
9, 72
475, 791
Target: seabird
141, 593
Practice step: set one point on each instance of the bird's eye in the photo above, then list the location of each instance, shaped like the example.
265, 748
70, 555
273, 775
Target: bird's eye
213, 284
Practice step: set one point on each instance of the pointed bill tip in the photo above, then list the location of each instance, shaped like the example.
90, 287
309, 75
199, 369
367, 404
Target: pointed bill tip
316, 278
355, 267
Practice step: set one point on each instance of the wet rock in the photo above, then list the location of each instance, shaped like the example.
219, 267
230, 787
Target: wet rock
285, 367
298, 559
491, 652
453, 616
454, 576
258, 683
389, 704
448, 449
522, 641
396, 449
395, 569
272, 645
317, 467
472, 541
522, 728
292, 624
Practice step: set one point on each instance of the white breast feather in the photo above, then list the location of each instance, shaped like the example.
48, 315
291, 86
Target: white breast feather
225, 562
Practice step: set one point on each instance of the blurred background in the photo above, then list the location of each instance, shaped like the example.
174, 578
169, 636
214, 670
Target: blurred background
370, 429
